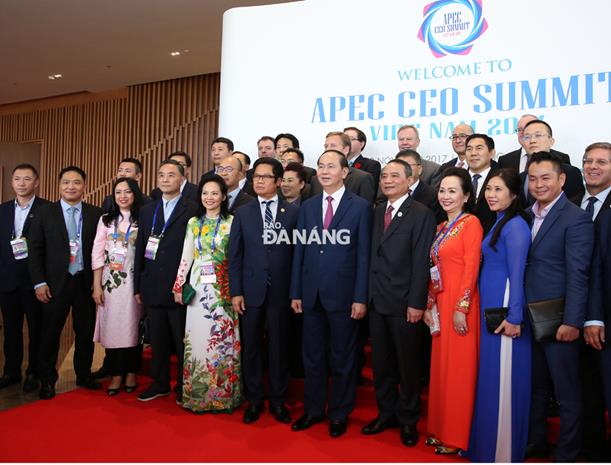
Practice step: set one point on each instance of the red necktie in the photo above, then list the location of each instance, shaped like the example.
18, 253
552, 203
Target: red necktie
387, 217
328, 214
460, 164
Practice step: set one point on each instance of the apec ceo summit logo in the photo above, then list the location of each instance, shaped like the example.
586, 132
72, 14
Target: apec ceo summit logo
451, 26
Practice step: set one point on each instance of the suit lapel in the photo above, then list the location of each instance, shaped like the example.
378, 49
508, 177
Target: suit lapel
550, 219
342, 208
396, 221
59, 217
178, 210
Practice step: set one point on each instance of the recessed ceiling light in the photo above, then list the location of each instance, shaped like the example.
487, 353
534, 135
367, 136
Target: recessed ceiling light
175, 54
53, 77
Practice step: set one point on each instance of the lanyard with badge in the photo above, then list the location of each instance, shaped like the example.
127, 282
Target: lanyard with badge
435, 265
208, 275
153, 243
118, 252
18, 244
74, 243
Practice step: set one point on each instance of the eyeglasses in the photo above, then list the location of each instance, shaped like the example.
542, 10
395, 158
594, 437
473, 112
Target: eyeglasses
598, 162
518, 130
536, 136
458, 136
225, 169
263, 177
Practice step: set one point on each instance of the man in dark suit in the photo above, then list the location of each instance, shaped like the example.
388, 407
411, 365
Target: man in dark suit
357, 181
188, 190
293, 186
403, 230
220, 148
129, 167
459, 145
519, 158
558, 267
17, 297
597, 200
259, 285
409, 139
229, 168
266, 147
245, 181
355, 157
61, 239
537, 137
293, 155
479, 155
162, 226
329, 285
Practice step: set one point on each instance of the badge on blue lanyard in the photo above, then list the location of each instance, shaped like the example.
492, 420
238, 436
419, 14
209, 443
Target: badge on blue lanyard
118, 253
153, 243
208, 273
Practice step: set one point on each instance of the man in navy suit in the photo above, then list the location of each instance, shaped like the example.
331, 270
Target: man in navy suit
259, 261
558, 267
220, 148
358, 141
188, 190
16, 290
329, 285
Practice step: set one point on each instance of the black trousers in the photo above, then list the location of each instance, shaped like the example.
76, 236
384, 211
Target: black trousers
167, 331
594, 427
254, 321
76, 295
15, 305
396, 349
123, 361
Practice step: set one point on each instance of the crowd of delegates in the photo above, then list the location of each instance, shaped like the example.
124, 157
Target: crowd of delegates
443, 268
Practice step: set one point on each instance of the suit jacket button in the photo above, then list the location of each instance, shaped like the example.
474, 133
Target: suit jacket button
322, 251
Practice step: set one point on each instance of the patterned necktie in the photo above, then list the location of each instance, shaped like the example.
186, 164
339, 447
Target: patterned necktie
590, 207
460, 164
409, 192
329, 213
388, 217
475, 183
269, 219
73, 268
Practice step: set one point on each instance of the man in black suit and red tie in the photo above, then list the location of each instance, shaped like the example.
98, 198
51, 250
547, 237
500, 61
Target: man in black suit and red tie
61, 239
358, 141
17, 297
403, 230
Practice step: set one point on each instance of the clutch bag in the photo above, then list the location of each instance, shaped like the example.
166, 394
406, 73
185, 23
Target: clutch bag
188, 292
546, 317
494, 317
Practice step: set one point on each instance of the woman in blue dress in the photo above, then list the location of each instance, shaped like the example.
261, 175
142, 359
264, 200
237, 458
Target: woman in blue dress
499, 430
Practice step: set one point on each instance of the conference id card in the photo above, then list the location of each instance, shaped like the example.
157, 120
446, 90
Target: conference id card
208, 275
116, 258
20, 248
436, 279
151, 247
73, 250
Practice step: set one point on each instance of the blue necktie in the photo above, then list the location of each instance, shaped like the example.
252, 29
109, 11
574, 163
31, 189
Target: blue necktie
590, 207
74, 266
475, 183
269, 223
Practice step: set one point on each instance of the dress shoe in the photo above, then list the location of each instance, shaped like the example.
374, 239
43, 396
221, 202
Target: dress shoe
101, 373
47, 391
130, 389
305, 422
113, 391
88, 383
337, 428
251, 414
378, 425
152, 393
444, 450
7, 381
281, 414
30, 384
409, 436
537, 450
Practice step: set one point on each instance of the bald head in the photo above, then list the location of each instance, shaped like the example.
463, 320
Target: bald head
523, 121
459, 139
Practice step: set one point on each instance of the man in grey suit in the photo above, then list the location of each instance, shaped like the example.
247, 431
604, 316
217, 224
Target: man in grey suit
408, 138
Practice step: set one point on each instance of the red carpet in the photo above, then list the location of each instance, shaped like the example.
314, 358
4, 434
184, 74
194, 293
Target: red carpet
85, 426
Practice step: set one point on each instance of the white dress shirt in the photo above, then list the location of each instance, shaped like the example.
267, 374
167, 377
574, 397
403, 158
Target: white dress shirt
273, 206
337, 197
21, 214
601, 196
396, 205
480, 181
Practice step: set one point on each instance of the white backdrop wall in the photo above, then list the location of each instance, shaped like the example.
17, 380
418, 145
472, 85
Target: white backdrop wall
320, 65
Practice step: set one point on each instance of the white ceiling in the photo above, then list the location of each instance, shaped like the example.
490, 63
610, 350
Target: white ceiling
106, 44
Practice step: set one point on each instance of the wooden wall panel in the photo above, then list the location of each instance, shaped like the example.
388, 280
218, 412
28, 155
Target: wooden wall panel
94, 131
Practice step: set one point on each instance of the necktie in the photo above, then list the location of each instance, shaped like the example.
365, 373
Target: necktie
409, 193
387, 217
460, 164
328, 214
590, 207
269, 219
475, 183
73, 268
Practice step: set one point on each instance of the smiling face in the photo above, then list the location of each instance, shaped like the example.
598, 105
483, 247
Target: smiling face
545, 182
597, 169
451, 196
72, 187
124, 196
24, 182
212, 196
498, 195
291, 185
408, 139
330, 173
283, 144
394, 181
478, 155
459, 139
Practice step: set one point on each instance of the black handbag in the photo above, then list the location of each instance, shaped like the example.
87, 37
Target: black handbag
494, 317
546, 317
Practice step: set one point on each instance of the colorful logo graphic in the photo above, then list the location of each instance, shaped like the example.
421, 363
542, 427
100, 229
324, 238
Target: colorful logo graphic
451, 26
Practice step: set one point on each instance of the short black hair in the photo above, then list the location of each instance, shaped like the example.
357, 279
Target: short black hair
169, 161
539, 157
343, 162
180, 153
134, 161
409, 153
360, 135
297, 152
465, 184
489, 141
76, 169
277, 168
223, 140
287, 135
404, 164
297, 168
26, 166
540, 121
246, 157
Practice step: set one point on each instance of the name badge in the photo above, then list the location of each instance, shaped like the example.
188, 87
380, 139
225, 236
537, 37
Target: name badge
116, 258
436, 283
208, 275
151, 247
73, 250
20, 248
